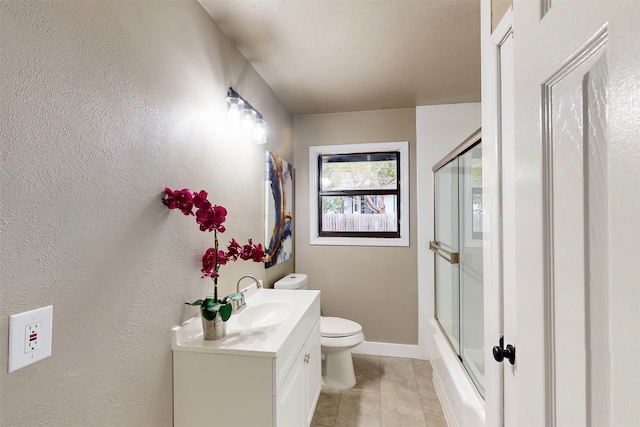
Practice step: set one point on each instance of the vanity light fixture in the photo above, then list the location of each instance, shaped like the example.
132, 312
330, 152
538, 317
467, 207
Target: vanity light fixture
242, 113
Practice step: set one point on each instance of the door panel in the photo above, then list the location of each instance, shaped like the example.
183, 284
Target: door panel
577, 87
571, 122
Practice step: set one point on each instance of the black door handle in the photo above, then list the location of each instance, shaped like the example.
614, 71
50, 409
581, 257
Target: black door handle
500, 353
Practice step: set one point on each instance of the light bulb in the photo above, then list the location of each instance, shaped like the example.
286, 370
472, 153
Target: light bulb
234, 114
260, 131
234, 106
248, 120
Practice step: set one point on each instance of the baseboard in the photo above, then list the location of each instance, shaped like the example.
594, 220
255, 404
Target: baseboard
387, 349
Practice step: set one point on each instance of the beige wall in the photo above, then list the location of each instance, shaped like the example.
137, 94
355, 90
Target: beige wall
374, 286
103, 105
498, 9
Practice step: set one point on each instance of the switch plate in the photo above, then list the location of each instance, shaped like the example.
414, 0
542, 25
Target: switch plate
30, 337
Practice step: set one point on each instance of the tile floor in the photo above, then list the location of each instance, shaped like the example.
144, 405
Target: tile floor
389, 392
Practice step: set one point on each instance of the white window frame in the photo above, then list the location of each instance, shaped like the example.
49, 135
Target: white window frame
314, 152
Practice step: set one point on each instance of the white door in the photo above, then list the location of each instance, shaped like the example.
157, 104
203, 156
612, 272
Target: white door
577, 214
499, 191
507, 169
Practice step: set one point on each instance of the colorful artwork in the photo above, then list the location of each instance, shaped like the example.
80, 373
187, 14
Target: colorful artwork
278, 211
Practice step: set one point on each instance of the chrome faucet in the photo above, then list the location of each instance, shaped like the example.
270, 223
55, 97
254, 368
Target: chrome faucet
258, 285
237, 300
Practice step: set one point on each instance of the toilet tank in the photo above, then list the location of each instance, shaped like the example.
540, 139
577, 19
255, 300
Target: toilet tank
292, 281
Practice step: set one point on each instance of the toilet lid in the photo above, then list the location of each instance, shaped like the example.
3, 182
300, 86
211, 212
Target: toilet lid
338, 327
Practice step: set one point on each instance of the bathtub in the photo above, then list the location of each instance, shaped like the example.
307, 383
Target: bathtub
462, 404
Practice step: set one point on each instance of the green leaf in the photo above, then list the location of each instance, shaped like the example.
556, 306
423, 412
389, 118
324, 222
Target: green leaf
211, 305
197, 302
208, 314
210, 308
225, 311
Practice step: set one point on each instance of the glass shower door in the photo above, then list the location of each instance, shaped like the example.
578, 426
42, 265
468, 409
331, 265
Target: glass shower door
446, 249
458, 258
471, 282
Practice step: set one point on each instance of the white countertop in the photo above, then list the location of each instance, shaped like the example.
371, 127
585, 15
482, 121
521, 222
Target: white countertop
265, 341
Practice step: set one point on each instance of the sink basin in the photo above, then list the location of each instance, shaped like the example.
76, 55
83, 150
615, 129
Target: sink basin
262, 329
264, 314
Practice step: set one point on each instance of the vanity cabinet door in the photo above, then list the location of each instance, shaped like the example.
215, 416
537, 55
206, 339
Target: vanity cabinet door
312, 371
297, 399
290, 402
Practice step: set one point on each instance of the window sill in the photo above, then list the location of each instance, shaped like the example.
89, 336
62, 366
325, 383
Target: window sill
359, 241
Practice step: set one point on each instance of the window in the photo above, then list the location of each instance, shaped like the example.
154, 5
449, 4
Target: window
358, 194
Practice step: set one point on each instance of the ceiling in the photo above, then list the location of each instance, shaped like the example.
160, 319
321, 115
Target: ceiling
328, 56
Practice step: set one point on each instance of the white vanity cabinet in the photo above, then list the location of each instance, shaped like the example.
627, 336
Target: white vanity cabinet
297, 398
255, 377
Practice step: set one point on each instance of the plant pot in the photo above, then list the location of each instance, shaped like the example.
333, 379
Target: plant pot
214, 329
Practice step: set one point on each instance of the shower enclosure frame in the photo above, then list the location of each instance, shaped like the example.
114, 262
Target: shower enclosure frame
454, 258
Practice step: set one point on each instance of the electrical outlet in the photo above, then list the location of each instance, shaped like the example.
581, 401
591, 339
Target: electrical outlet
30, 337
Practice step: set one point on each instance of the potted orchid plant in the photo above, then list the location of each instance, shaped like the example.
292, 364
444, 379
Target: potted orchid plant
211, 218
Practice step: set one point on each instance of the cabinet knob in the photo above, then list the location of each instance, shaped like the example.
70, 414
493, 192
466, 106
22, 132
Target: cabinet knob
307, 357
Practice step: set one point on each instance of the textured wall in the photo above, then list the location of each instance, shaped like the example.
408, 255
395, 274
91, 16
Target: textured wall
374, 286
104, 104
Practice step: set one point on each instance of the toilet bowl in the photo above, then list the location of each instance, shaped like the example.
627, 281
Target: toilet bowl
337, 337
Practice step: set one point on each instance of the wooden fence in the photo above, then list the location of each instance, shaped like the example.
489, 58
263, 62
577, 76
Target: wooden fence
359, 222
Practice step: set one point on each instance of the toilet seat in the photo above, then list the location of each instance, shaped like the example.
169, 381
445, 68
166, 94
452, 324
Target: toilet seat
337, 327
341, 342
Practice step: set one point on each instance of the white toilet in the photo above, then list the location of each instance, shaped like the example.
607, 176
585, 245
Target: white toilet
338, 337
